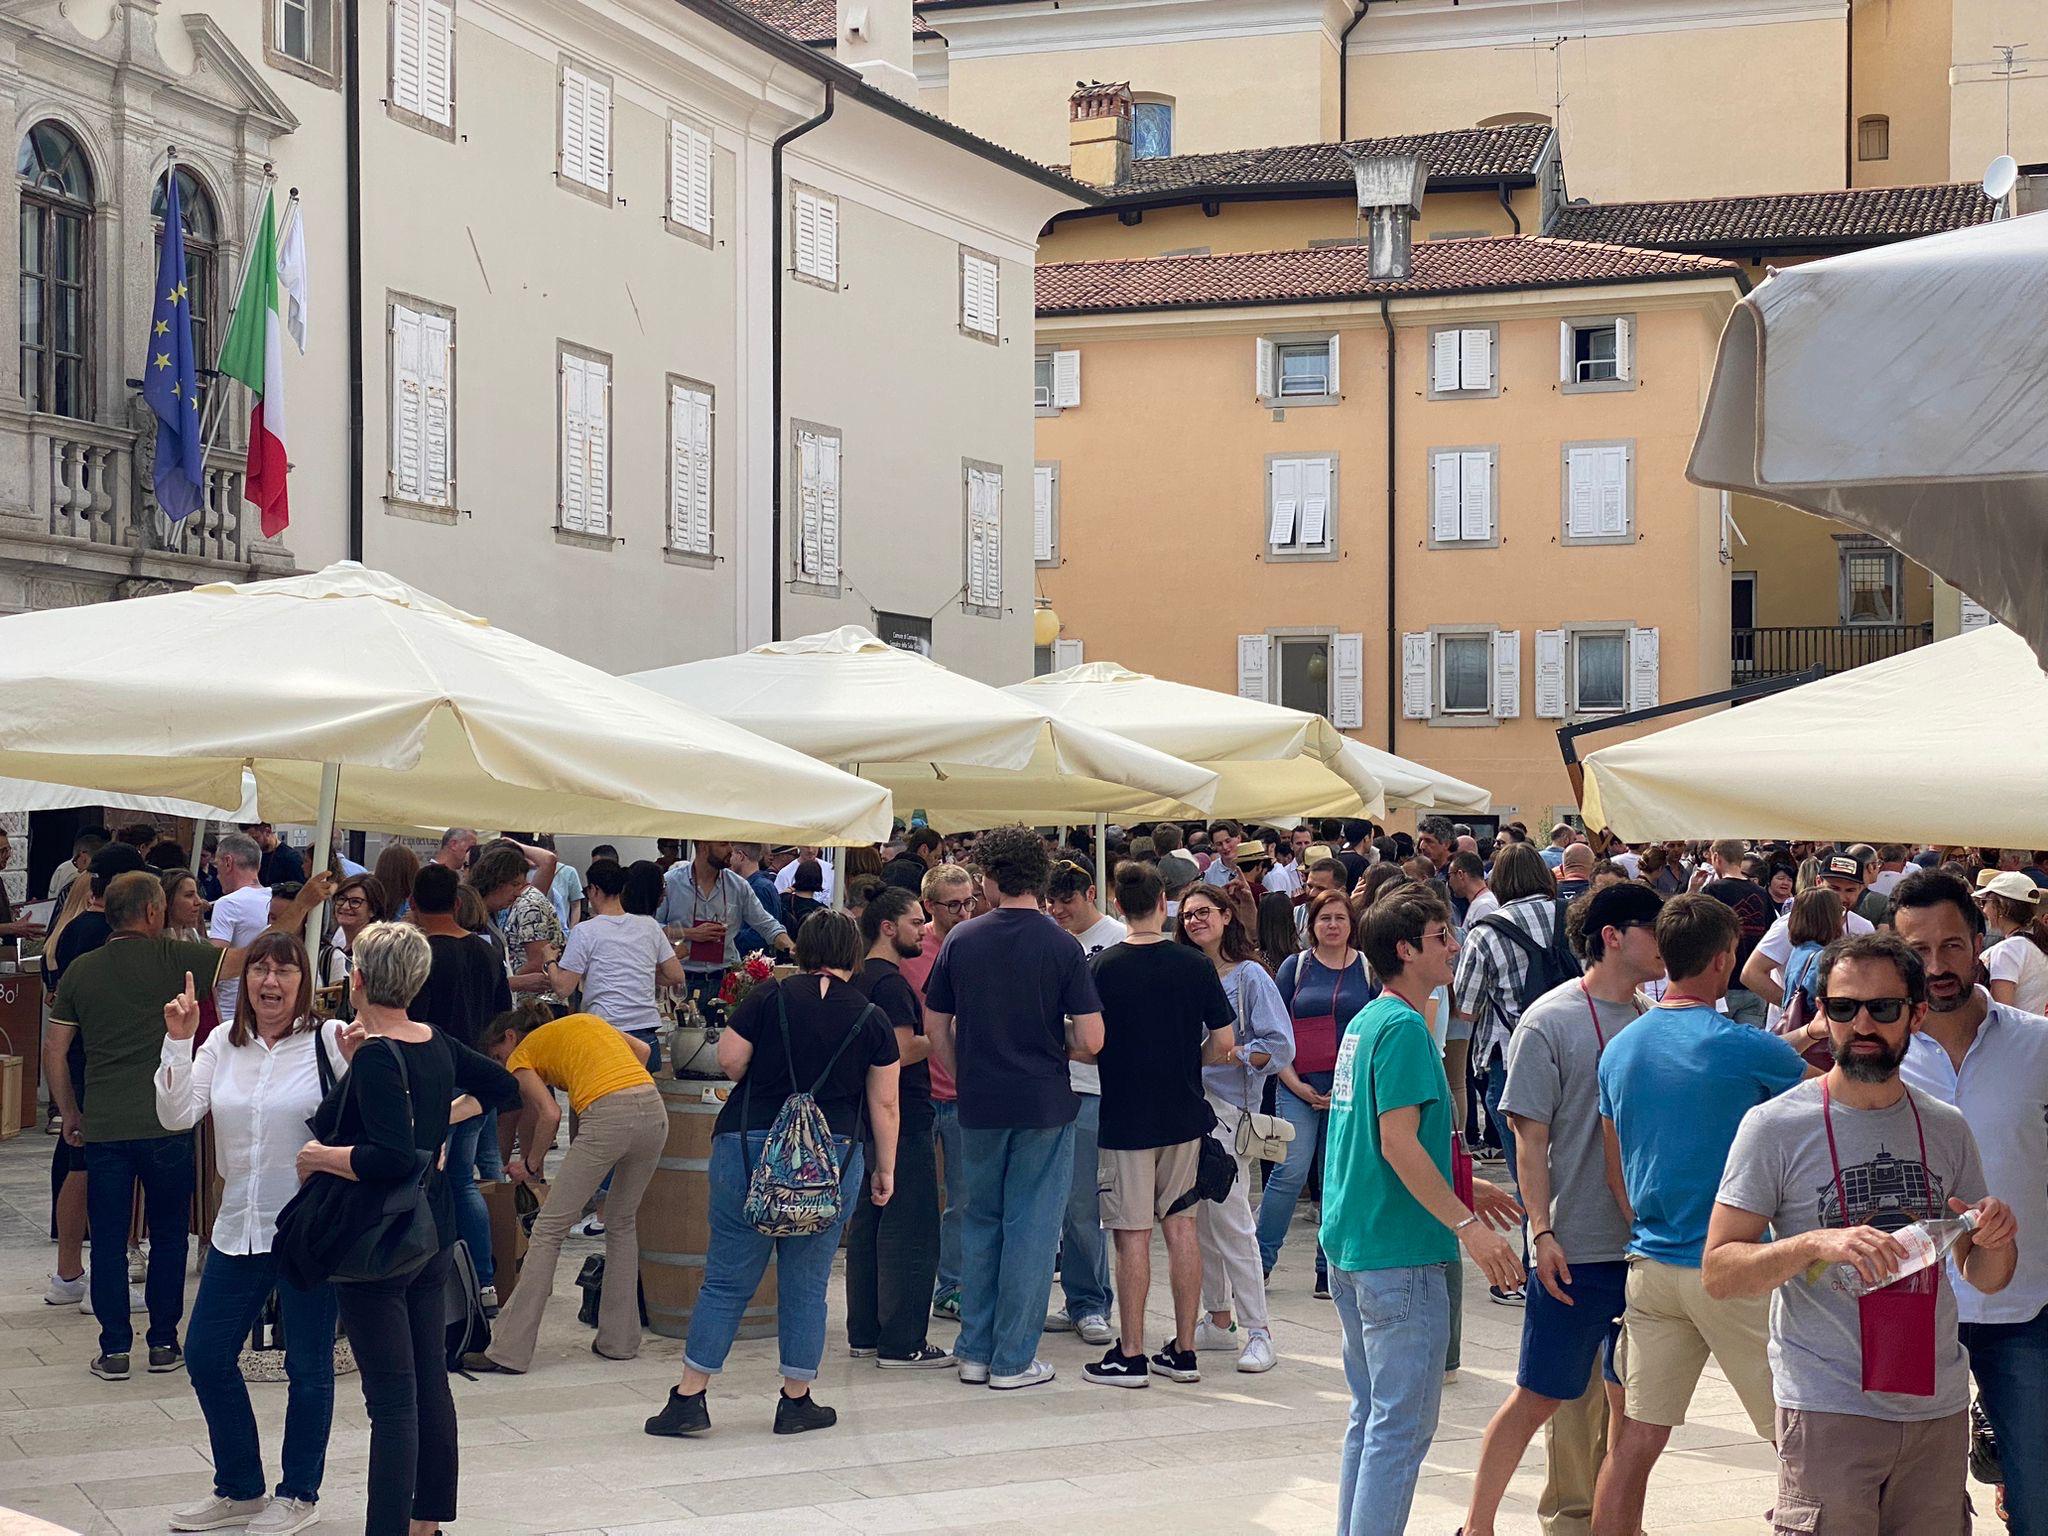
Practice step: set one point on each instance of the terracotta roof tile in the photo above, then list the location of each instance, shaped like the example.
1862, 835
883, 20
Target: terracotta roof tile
1341, 273
1456, 154
1864, 216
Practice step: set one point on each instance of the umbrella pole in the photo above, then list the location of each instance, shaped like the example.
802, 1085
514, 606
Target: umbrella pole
199, 826
323, 846
1102, 889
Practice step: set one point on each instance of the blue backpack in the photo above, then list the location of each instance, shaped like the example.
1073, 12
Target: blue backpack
794, 1190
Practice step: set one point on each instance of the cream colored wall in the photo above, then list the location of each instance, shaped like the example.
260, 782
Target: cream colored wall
1271, 226
1901, 72
1976, 112
1691, 112
1162, 470
481, 225
1798, 567
1229, 93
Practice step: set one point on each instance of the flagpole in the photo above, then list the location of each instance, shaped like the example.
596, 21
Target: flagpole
219, 413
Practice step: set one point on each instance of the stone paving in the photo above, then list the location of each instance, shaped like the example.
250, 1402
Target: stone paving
560, 1450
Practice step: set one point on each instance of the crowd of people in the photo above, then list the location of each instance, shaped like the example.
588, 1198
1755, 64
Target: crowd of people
1733, 1090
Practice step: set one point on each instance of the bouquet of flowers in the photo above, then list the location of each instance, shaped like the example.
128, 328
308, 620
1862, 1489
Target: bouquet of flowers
750, 973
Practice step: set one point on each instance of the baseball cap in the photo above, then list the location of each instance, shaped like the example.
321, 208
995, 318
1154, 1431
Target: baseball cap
1613, 906
1843, 866
1178, 871
2010, 884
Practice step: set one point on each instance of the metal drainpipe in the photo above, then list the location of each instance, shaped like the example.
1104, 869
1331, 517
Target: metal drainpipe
1344, 71
775, 358
1508, 206
352, 113
1393, 628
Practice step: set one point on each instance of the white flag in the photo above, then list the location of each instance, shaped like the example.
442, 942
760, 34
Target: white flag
291, 275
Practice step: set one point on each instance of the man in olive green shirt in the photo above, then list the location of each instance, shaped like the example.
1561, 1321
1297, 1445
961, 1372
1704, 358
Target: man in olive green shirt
113, 1000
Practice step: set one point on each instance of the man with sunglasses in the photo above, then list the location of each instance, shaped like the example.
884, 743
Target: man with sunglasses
1990, 1060
1873, 1392
948, 896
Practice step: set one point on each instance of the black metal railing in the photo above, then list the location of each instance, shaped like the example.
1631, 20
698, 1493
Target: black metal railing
1780, 652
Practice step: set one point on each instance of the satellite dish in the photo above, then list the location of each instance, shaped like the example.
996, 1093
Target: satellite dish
2002, 176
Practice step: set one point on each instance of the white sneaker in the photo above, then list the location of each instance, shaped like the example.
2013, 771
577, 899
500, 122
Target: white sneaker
1209, 1336
1257, 1354
589, 1226
138, 1265
219, 1514
64, 1293
1058, 1322
1034, 1374
283, 1516
973, 1373
138, 1303
1095, 1330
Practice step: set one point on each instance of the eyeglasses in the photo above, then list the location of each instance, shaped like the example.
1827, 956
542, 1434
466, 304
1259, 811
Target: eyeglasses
955, 906
351, 901
1200, 915
1884, 1010
1436, 933
274, 968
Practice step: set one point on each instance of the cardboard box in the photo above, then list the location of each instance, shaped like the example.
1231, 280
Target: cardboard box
508, 1235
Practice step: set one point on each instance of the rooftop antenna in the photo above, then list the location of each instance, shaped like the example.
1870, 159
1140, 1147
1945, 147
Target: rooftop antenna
2008, 66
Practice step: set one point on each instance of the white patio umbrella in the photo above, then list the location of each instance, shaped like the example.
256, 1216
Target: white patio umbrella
1904, 391
1944, 744
351, 696
969, 755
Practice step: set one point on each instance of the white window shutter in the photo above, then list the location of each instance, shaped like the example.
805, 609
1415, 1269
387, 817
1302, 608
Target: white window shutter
408, 404
1443, 362
1333, 363
1475, 520
1507, 674
690, 470
1624, 364
597, 396
984, 538
1268, 368
1613, 495
1582, 492
1065, 654
804, 237
1550, 674
1315, 503
699, 215
810, 502
437, 406
575, 449
1283, 501
1066, 378
1567, 364
1347, 693
700, 448
437, 62
1642, 668
991, 276
828, 240
1251, 666
1415, 675
407, 36
1475, 358
1444, 498
1044, 479
679, 137
597, 161
829, 465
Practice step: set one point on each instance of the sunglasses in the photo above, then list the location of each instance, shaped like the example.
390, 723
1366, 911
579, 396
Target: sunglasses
1884, 1010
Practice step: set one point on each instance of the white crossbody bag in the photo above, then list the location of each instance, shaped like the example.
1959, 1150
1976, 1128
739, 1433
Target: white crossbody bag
1264, 1137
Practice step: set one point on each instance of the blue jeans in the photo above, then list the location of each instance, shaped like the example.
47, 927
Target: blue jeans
472, 1216
1283, 1189
1017, 1185
164, 1165
946, 1121
1496, 1084
1396, 1327
739, 1256
2010, 1362
232, 1290
1084, 1255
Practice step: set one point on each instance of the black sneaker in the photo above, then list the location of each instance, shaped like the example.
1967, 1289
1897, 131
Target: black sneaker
1117, 1369
926, 1357
1513, 1298
681, 1416
1176, 1364
1322, 1290
794, 1415
110, 1367
164, 1358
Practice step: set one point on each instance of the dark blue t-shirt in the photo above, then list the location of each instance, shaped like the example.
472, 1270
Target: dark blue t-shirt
1010, 978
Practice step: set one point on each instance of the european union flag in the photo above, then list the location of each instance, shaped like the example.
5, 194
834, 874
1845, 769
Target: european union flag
169, 382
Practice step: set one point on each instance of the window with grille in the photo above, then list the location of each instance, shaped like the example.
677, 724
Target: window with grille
56, 190
1466, 681
1599, 671
1870, 582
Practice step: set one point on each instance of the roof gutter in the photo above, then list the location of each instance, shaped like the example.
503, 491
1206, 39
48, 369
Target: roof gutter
1344, 72
1270, 192
777, 278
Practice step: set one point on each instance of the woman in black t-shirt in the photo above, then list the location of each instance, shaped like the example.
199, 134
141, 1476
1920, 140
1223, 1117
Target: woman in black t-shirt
812, 1033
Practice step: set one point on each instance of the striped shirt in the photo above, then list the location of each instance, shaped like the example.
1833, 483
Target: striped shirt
1487, 987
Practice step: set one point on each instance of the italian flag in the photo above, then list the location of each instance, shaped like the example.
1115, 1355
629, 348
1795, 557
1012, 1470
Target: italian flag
254, 353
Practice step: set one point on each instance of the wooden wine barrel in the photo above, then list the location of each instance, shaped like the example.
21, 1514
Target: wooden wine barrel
675, 1221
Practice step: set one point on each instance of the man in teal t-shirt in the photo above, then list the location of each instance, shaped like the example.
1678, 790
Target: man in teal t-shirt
1391, 1221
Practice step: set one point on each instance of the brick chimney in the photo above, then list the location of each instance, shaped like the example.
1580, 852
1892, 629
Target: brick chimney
874, 37
1099, 133
1389, 200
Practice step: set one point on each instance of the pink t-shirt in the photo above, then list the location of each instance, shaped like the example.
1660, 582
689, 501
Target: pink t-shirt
914, 971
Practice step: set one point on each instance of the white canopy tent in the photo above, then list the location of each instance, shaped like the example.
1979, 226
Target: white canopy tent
1903, 391
350, 696
1944, 744
969, 755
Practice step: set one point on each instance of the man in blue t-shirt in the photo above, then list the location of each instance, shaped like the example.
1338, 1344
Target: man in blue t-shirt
997, 1004
1673, 1090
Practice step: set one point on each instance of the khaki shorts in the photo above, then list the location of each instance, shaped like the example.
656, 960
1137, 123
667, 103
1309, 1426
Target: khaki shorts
1669, 1328
1840, 1474
1137, 1189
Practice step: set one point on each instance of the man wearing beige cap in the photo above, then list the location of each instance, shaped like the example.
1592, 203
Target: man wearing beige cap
1764, 973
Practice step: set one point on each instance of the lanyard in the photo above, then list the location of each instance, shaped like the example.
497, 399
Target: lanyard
1835, 1163
1598, 1033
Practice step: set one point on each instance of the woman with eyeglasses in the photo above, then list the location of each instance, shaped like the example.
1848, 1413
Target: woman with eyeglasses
1233, 1278
358, 902
1324, 987
260, 1080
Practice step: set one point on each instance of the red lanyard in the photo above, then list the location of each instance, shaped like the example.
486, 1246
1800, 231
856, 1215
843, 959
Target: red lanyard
1835, 1163
1598, 1033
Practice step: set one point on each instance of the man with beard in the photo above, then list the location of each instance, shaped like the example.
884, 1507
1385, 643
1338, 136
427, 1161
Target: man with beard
1873, 1392
1990, 1061
704, 905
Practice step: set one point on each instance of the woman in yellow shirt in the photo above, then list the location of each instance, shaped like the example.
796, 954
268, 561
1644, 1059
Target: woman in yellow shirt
621, 1126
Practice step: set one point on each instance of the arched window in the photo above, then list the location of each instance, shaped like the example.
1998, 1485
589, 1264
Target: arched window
1873, 138
56, 225
202, 257
1151, 127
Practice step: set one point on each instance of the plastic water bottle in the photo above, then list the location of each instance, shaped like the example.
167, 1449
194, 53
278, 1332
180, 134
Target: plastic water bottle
1926, 1244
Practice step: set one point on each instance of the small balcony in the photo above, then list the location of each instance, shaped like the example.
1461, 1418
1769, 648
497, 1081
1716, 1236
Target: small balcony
90, 483
1785, 652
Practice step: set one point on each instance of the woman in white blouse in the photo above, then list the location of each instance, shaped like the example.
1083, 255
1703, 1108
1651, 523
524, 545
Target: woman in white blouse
260, 1077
